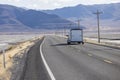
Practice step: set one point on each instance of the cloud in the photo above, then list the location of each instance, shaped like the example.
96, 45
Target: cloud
17, 0
52, 4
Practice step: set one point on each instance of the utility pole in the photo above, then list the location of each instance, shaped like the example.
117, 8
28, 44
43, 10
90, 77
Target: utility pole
70, 25
64, 30
79, 23
98, 23
4, 64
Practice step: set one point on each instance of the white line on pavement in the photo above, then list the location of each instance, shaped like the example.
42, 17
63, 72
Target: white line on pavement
45, 63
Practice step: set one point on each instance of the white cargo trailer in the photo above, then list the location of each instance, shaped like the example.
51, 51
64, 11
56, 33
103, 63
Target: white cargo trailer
75, 36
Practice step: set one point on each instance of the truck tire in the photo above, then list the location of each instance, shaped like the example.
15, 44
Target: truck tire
82, 43
68, 43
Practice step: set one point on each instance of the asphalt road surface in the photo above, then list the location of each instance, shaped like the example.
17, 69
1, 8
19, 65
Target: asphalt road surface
73, 62
81, 62
34, 68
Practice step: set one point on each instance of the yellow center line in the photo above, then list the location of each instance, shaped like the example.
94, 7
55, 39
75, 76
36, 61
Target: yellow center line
89, 54
108, 61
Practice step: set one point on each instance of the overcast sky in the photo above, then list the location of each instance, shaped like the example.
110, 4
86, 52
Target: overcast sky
52, 4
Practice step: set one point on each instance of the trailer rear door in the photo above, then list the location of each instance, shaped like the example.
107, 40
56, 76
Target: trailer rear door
76, 35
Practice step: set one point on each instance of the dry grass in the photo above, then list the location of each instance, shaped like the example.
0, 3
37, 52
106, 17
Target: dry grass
13, 54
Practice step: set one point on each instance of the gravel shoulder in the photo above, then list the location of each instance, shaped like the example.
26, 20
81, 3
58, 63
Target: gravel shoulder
34, 67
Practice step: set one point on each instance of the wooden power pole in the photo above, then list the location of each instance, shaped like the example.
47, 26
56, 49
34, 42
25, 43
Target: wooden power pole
79, 23
98, 23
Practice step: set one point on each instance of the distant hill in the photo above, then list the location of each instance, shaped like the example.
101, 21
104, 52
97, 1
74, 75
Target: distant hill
109, 19
16, 19
85, 11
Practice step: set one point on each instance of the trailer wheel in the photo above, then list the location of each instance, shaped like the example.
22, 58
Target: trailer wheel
82, 43
68, 43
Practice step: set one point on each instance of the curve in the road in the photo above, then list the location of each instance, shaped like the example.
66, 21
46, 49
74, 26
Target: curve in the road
45, 63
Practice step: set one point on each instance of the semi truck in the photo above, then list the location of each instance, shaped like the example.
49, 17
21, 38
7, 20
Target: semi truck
75, 36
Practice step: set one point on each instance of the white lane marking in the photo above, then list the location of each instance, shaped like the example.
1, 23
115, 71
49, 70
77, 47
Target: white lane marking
45, 63
108, 61
89, 54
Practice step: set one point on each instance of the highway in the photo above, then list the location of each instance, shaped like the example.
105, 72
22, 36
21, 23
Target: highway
34, 67
72, 62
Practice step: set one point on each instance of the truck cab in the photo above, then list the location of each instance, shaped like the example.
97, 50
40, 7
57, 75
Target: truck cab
75, 36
